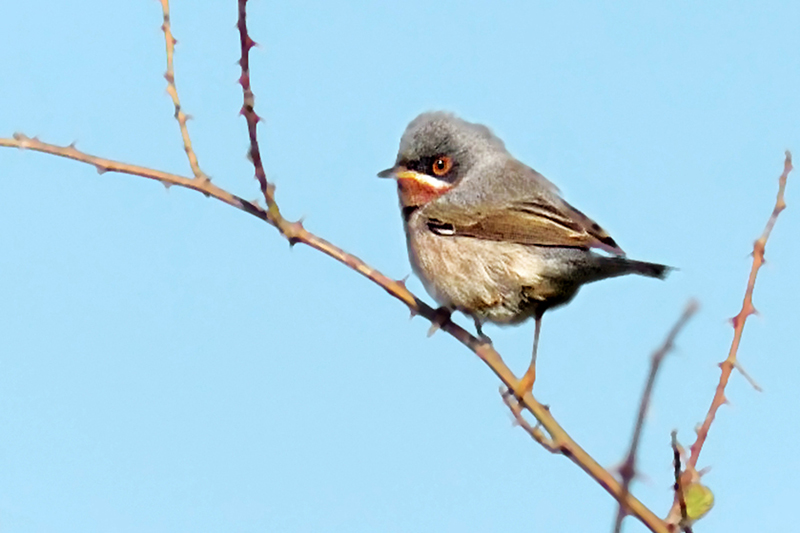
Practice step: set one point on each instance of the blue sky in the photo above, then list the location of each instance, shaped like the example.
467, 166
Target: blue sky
167, 363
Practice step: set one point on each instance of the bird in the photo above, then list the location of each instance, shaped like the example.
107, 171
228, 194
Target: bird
489, 236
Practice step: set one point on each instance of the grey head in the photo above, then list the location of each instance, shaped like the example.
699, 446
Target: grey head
481, 166
438, 133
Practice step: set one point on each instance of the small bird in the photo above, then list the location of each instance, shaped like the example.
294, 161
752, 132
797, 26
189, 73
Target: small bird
491, 237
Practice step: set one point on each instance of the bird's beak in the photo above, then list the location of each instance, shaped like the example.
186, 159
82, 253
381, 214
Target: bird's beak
401, 173
414, 187
390, 172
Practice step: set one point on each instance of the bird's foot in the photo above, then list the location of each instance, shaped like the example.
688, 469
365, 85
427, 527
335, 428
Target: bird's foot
440, 318
525, 385
483, 337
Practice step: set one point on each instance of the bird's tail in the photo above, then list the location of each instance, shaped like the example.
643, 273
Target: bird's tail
603, 267
651, 270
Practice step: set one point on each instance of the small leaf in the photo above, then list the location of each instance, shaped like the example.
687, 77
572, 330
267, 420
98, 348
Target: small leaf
699, 501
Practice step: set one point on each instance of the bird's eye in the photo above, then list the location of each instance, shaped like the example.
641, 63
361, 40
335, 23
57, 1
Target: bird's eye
442, 165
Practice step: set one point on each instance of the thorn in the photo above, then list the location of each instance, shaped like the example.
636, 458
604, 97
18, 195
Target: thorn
725, 400
166, 185
174, 41
747, 376
271, 189
703, 471
71, 145
101, 169
187, 117
442, 316
244, 79
412, 313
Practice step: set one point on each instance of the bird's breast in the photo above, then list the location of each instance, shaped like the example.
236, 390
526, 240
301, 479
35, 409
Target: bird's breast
486, 279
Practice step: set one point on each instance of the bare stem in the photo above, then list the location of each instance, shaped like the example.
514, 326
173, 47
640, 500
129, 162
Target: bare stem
628, 469
172, 90
679, 495
738, 321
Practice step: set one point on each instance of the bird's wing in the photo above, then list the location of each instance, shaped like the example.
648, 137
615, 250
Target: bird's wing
534, 223
525, 214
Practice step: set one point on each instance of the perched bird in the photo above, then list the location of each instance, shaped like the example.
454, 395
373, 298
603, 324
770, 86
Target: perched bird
490, 236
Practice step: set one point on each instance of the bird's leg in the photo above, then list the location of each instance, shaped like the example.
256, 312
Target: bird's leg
526, 383
481, 335
441, 318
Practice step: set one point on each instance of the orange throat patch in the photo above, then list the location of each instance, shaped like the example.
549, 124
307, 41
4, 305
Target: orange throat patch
419, 189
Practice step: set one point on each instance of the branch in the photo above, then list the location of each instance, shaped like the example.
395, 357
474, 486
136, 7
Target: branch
738, 321
535, 432
172, 90
690, 474
295, 233
628, 468
679, 494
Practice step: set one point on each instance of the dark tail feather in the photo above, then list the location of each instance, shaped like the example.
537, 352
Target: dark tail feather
651, 270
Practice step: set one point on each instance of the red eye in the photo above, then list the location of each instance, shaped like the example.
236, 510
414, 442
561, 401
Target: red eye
442, 165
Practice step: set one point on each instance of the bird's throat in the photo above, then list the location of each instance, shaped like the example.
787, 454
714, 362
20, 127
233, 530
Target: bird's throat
419, 189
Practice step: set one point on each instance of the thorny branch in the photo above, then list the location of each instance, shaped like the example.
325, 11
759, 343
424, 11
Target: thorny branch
172, 90
731, 362
628, 468
558, 441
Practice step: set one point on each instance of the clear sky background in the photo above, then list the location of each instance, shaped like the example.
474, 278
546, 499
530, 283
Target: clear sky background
167, 363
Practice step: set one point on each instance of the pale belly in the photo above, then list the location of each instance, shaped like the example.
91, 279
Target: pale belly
496, 281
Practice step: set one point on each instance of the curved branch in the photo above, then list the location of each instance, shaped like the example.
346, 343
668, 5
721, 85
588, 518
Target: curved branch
295, 233
628, 468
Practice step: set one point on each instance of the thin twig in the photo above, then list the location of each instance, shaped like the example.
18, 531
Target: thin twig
172, 90
628, 468
535, 432
679, 496
730, 363
738, 321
